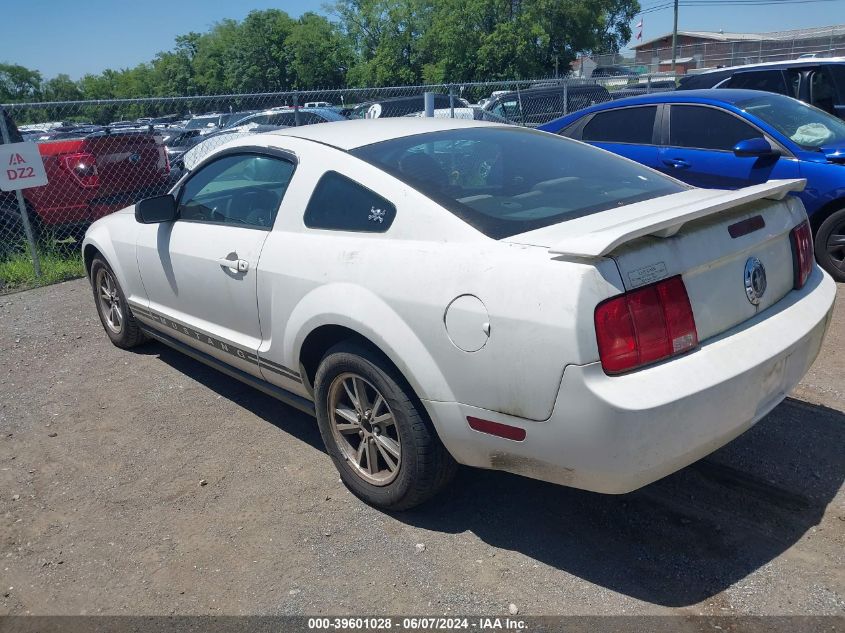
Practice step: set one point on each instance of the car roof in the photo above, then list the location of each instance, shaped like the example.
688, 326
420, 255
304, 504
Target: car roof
704, 95
558, 87
348, 135
791, 63
291, 110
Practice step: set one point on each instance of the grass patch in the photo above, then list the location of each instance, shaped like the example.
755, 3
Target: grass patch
57, 264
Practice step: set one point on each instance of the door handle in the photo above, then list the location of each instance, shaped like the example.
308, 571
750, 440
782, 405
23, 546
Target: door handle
235, 265
677, 163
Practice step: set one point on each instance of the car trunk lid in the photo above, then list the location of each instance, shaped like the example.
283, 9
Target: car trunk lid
127, 162
708, 237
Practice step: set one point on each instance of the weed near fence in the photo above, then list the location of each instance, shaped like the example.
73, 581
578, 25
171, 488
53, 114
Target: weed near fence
58, 263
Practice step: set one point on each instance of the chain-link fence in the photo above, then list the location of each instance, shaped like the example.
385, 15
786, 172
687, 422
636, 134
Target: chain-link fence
699, 51
101, 156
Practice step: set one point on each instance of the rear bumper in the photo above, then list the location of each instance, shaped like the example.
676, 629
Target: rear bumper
616, 434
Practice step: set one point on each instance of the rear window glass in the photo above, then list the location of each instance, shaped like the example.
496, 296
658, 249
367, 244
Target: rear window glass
504, 181
767, 80
626, 125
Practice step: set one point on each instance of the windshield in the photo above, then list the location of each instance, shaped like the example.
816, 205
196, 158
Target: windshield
199, 122
238, 118
508, 180
805, 125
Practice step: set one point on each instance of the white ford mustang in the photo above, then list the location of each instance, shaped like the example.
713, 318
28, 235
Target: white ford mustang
441, 291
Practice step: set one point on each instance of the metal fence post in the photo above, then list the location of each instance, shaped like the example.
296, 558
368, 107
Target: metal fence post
565, 97
27, 227
451, 101
428, 103
296, 120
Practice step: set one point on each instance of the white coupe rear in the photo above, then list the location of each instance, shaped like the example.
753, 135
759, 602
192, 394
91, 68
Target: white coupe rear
443, 291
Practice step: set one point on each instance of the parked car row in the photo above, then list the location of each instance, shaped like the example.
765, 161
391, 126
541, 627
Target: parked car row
91, 172
819, 82
728, 139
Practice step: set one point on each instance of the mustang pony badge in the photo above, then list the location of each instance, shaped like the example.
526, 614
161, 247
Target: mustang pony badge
755, 280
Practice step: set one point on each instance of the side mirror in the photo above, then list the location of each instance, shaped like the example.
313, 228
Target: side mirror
156, 210
834, 155
755, 147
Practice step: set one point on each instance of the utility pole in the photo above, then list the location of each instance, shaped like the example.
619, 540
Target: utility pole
675, 38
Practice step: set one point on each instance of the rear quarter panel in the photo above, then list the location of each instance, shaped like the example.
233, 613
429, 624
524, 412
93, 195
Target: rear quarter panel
394, 289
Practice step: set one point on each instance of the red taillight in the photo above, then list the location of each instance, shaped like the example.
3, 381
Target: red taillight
802, 253
83, 167
645, 325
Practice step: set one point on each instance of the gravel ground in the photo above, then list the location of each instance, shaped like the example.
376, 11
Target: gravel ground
103, 453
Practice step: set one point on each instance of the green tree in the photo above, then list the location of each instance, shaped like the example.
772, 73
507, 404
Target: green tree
386, 36
61, 88
259, 60
19, 83
213, 55
371, 43
318, 53
174, 70
474, 40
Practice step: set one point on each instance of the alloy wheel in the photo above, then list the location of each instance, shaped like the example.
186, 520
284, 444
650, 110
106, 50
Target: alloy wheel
364, 428
109, 300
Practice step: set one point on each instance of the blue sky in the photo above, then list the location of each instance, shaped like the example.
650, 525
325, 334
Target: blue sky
56, 36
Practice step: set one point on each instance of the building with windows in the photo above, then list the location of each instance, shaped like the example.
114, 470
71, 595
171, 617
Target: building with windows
713, 49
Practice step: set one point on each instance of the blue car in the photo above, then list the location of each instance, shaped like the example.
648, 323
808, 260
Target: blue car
727, 139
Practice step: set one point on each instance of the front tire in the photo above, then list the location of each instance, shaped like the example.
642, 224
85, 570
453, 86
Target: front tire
830, 245
118, 321
376, 432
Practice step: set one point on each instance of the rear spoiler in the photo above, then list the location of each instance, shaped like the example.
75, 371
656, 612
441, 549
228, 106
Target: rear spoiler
597, 235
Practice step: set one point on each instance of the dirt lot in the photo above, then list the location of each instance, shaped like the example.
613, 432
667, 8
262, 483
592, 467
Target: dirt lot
102, 453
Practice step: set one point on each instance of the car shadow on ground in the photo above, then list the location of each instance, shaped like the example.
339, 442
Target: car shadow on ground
674, 543
286, 418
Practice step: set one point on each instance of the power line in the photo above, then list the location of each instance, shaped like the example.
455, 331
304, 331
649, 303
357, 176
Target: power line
726, 3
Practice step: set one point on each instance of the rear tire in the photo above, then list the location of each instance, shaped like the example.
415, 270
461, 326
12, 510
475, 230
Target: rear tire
376, 432
115, 314
830, 245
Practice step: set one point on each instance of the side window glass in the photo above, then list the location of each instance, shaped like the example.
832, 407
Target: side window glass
793, 82
837, 72
285, 118
543, 107
240, 190
707, 128
507, 109
342, 204
768, 80
626, 125
822, 91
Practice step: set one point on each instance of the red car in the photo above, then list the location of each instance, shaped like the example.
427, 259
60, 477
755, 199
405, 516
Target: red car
89, 175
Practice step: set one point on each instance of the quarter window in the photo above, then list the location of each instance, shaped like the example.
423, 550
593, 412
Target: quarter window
342, 204
707, 128
626, 125
241, 190
507, 109
543, 107
822, 91
767, 80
